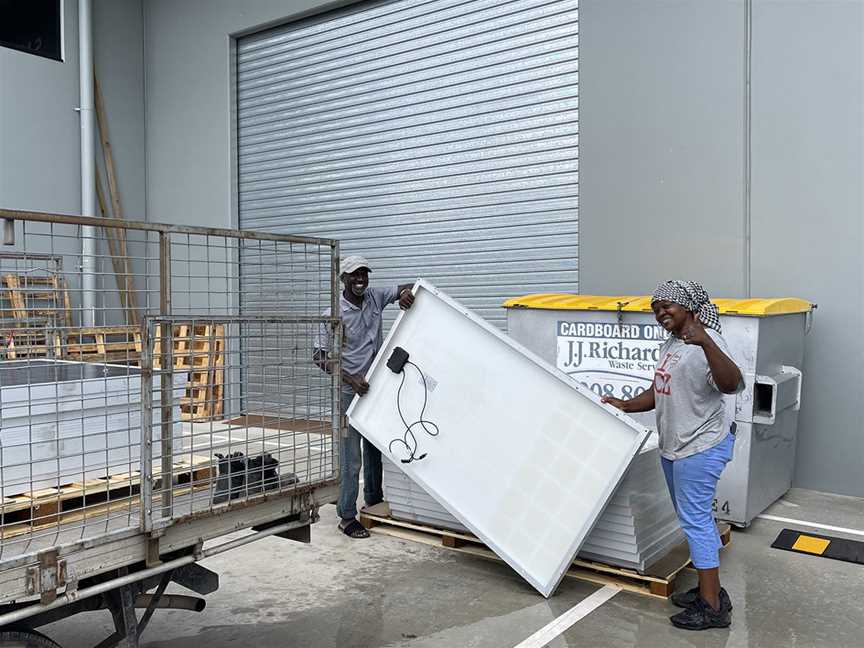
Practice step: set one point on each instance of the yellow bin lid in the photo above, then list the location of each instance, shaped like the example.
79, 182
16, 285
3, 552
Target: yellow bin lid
642, 304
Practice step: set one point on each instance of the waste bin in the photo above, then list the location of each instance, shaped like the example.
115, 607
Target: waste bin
611, 345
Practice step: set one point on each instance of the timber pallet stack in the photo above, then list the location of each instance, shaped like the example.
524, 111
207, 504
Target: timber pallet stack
200, 351
660, 581
110, 344
33, 309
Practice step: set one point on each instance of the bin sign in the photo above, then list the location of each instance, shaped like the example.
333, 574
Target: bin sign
610, 359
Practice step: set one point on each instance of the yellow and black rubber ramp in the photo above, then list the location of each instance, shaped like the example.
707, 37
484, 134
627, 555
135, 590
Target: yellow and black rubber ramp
819, 545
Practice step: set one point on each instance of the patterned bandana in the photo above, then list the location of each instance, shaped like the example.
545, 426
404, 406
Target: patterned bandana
691, 296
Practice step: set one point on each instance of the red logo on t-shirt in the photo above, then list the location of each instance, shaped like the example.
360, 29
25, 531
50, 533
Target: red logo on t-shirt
662, 382
662, 377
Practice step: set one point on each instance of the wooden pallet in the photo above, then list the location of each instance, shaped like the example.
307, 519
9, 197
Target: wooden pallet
205, 361
73, 502
22, 341
36, 297
660, 581
34, 305
114, 344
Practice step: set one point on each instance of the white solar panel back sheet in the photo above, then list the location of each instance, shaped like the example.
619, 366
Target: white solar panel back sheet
526, 458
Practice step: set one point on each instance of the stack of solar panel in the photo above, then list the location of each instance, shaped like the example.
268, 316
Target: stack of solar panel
637, 528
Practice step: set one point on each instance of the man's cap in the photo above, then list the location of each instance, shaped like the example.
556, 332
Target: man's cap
349, 264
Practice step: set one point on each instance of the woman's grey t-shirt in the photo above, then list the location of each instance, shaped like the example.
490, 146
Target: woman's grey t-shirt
688, 404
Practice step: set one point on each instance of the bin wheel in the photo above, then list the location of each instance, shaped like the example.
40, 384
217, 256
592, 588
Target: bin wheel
25, 639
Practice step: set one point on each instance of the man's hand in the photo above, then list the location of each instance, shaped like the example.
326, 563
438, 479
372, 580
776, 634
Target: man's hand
694, 333
356, 382
406, 299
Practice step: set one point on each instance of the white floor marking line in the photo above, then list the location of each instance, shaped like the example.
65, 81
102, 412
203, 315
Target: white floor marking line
814, 525
563, 623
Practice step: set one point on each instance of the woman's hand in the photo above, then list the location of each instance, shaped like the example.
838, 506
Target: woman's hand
644, 402
614, 402
695, 333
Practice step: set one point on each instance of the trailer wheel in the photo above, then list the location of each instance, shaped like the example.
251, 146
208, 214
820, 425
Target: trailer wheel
25, 639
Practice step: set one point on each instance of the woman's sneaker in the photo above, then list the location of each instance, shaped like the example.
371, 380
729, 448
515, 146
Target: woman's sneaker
688, 598
701, 616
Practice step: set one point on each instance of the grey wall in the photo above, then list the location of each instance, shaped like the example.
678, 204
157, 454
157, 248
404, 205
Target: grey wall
189, 102
662, 168
660, 148
808, 214
40, 165
39, 128
118, 28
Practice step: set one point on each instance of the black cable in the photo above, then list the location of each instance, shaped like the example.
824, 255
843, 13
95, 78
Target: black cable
411, 446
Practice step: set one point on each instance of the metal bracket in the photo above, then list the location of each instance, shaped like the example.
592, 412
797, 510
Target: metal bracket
153, 558
780, 392
785, 369
198, 549
45, 578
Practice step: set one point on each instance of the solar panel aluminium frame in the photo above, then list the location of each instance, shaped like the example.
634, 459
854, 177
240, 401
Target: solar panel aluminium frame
453, 345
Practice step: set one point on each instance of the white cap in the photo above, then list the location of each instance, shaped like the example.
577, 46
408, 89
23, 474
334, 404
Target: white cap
349, 264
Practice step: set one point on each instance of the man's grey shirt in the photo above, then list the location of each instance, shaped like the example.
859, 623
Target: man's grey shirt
363, 329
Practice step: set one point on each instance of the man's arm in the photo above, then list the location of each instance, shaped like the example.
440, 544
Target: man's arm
356, 382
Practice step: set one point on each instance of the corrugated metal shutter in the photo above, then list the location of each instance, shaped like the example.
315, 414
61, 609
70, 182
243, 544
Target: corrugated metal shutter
437, 138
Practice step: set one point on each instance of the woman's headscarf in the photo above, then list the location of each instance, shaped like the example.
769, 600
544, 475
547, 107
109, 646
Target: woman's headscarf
691, 296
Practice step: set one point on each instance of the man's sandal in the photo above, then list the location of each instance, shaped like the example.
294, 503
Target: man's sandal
354, 530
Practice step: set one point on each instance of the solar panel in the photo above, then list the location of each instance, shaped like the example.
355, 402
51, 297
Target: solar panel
518, 452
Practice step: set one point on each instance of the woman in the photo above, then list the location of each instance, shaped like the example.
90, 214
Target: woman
695, 370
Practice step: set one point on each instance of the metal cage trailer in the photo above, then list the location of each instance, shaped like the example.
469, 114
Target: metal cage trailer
158, 405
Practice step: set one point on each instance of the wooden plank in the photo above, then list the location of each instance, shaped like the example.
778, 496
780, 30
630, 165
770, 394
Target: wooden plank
113, 190
114, 250
19, 308
95, 330
488, 554
278, 423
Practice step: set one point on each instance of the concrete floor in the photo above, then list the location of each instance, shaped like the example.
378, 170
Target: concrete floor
382, 592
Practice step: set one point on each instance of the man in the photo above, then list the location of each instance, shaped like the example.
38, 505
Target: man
361, 308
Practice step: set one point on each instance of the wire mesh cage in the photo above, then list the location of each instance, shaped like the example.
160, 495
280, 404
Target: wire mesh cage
149, 373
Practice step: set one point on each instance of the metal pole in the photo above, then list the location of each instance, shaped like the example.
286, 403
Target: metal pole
748, 173
147, 425
91, 221
166, 371
336, 353
87, 116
